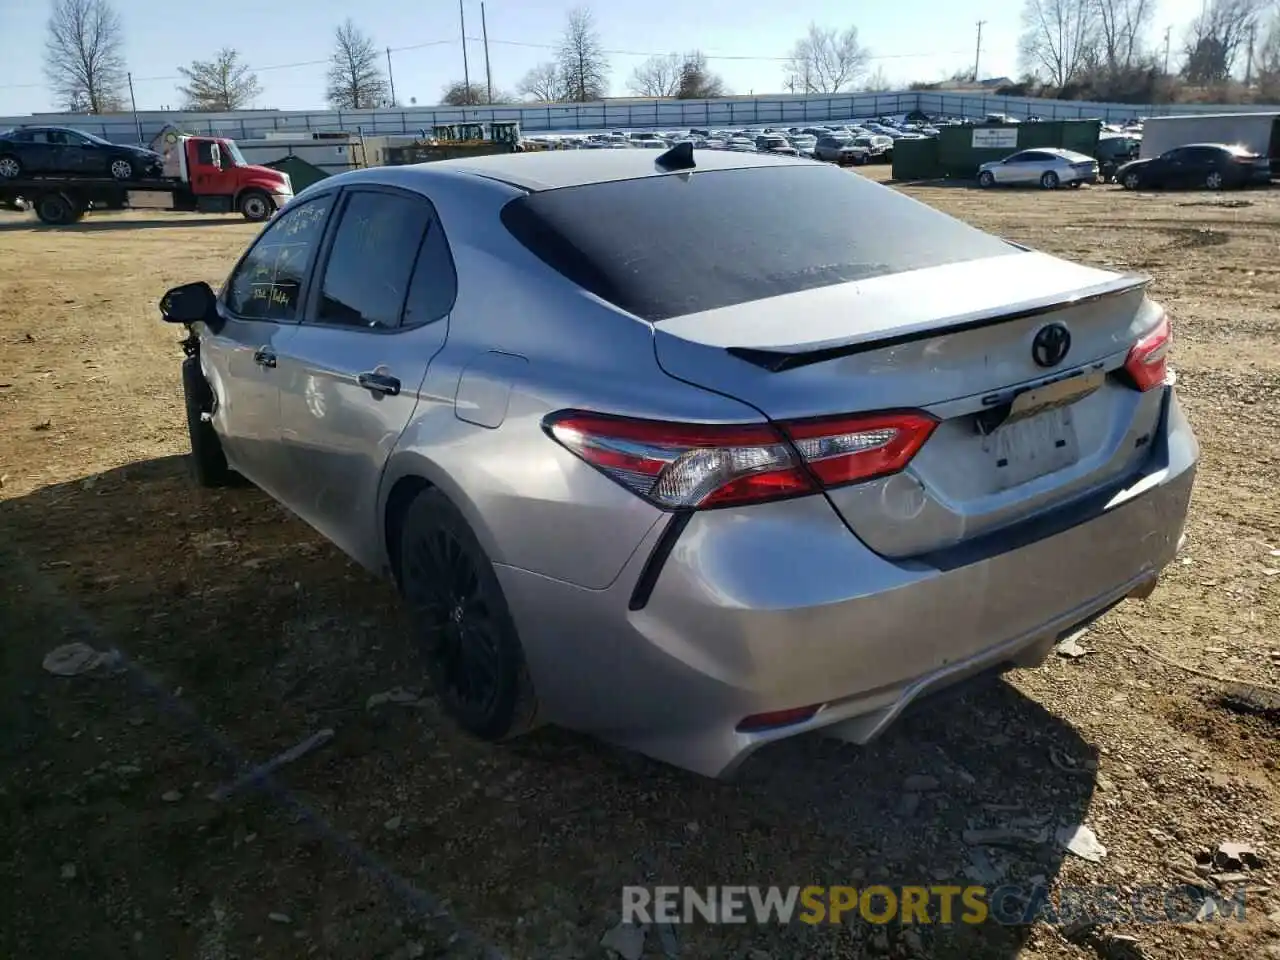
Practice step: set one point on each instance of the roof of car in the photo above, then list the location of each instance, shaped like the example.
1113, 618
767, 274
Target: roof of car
552, 169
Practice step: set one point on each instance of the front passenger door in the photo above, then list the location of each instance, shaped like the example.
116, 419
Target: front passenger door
1013, 169
377, 315
82, 156
259, 308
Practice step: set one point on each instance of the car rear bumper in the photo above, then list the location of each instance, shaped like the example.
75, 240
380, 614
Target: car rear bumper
778, 606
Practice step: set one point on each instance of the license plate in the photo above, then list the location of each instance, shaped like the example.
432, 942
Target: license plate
1023, 450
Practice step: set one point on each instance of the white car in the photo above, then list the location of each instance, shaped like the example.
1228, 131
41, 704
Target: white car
1050, 167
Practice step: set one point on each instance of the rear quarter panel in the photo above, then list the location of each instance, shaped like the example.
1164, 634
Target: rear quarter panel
532, 504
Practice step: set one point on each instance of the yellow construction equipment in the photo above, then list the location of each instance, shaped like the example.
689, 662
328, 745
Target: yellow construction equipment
450, 140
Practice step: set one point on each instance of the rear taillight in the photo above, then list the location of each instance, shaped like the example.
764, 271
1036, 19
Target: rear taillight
1148, 361
848, 449
697, 466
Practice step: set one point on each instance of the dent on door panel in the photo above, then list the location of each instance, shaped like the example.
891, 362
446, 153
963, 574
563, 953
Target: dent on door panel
484, 389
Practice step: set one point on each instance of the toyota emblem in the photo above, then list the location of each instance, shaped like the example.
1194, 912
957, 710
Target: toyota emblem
1050, 346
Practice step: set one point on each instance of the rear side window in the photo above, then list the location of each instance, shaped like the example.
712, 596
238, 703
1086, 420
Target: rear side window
435, 284
664, 246
367, 275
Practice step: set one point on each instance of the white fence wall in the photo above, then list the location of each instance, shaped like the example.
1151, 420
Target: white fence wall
630, 114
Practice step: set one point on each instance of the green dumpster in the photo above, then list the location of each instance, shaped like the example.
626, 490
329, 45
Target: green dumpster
916, 160
301, 174
961, 150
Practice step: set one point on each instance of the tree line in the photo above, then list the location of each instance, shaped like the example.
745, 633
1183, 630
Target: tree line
1104, 50
1074, 49
85, 65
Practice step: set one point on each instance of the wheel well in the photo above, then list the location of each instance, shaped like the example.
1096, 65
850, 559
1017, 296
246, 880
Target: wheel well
245, 191
404, 492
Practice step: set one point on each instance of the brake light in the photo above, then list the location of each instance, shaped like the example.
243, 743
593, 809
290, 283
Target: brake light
1148, 361
697, 466
849, 449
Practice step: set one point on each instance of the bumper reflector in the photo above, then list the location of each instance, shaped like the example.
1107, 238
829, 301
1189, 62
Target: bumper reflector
777, 718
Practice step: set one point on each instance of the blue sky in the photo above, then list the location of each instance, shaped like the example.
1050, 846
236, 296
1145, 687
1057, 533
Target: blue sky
925, 39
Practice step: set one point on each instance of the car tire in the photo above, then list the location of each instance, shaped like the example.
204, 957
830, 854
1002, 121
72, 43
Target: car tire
474, 658
986, 179
1049, 180
121, 169
1131, 181
207, 462
10, 167
1214, 180
256, 206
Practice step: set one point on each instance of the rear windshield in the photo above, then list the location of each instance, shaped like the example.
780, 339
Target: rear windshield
665, 246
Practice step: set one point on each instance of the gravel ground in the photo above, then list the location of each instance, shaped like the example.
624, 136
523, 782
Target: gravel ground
243, 633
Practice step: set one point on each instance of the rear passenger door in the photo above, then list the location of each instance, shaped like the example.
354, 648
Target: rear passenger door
377, 314
1034, 164
36, 154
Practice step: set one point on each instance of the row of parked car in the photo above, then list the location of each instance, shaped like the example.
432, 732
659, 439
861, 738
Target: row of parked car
1214, 166
855, 142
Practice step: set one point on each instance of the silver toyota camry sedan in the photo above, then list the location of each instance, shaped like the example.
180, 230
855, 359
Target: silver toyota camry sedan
693, 452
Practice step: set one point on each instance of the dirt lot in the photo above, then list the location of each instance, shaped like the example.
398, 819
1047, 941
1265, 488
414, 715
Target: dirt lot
244, 633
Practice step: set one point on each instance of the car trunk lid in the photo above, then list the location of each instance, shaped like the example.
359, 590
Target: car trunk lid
1016, 434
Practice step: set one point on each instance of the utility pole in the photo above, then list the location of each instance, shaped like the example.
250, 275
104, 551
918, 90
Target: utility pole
1248, 67
488, 77
1167, 32
466, 72
391, 78
978, 53
133, 101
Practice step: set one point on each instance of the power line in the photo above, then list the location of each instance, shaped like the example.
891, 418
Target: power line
714, 56
509, 43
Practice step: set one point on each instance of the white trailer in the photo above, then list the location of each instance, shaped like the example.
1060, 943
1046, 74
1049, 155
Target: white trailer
1260, 132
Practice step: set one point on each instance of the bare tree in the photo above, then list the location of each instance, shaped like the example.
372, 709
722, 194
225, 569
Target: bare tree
1058, 38
1121, 25
878, 82
826, 61
543, 82
1216, 38
584, 67
657, 77
459, 94
1268, 64
697, 82
83, 55
683, 76
355, 73
223, 83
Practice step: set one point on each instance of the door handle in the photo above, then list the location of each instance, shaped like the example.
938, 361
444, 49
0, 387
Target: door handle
264, 357
379, 383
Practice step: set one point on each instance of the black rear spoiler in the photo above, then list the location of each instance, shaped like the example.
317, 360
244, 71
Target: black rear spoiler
780, 359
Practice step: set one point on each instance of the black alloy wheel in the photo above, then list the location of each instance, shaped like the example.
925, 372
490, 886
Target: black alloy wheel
474, 658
